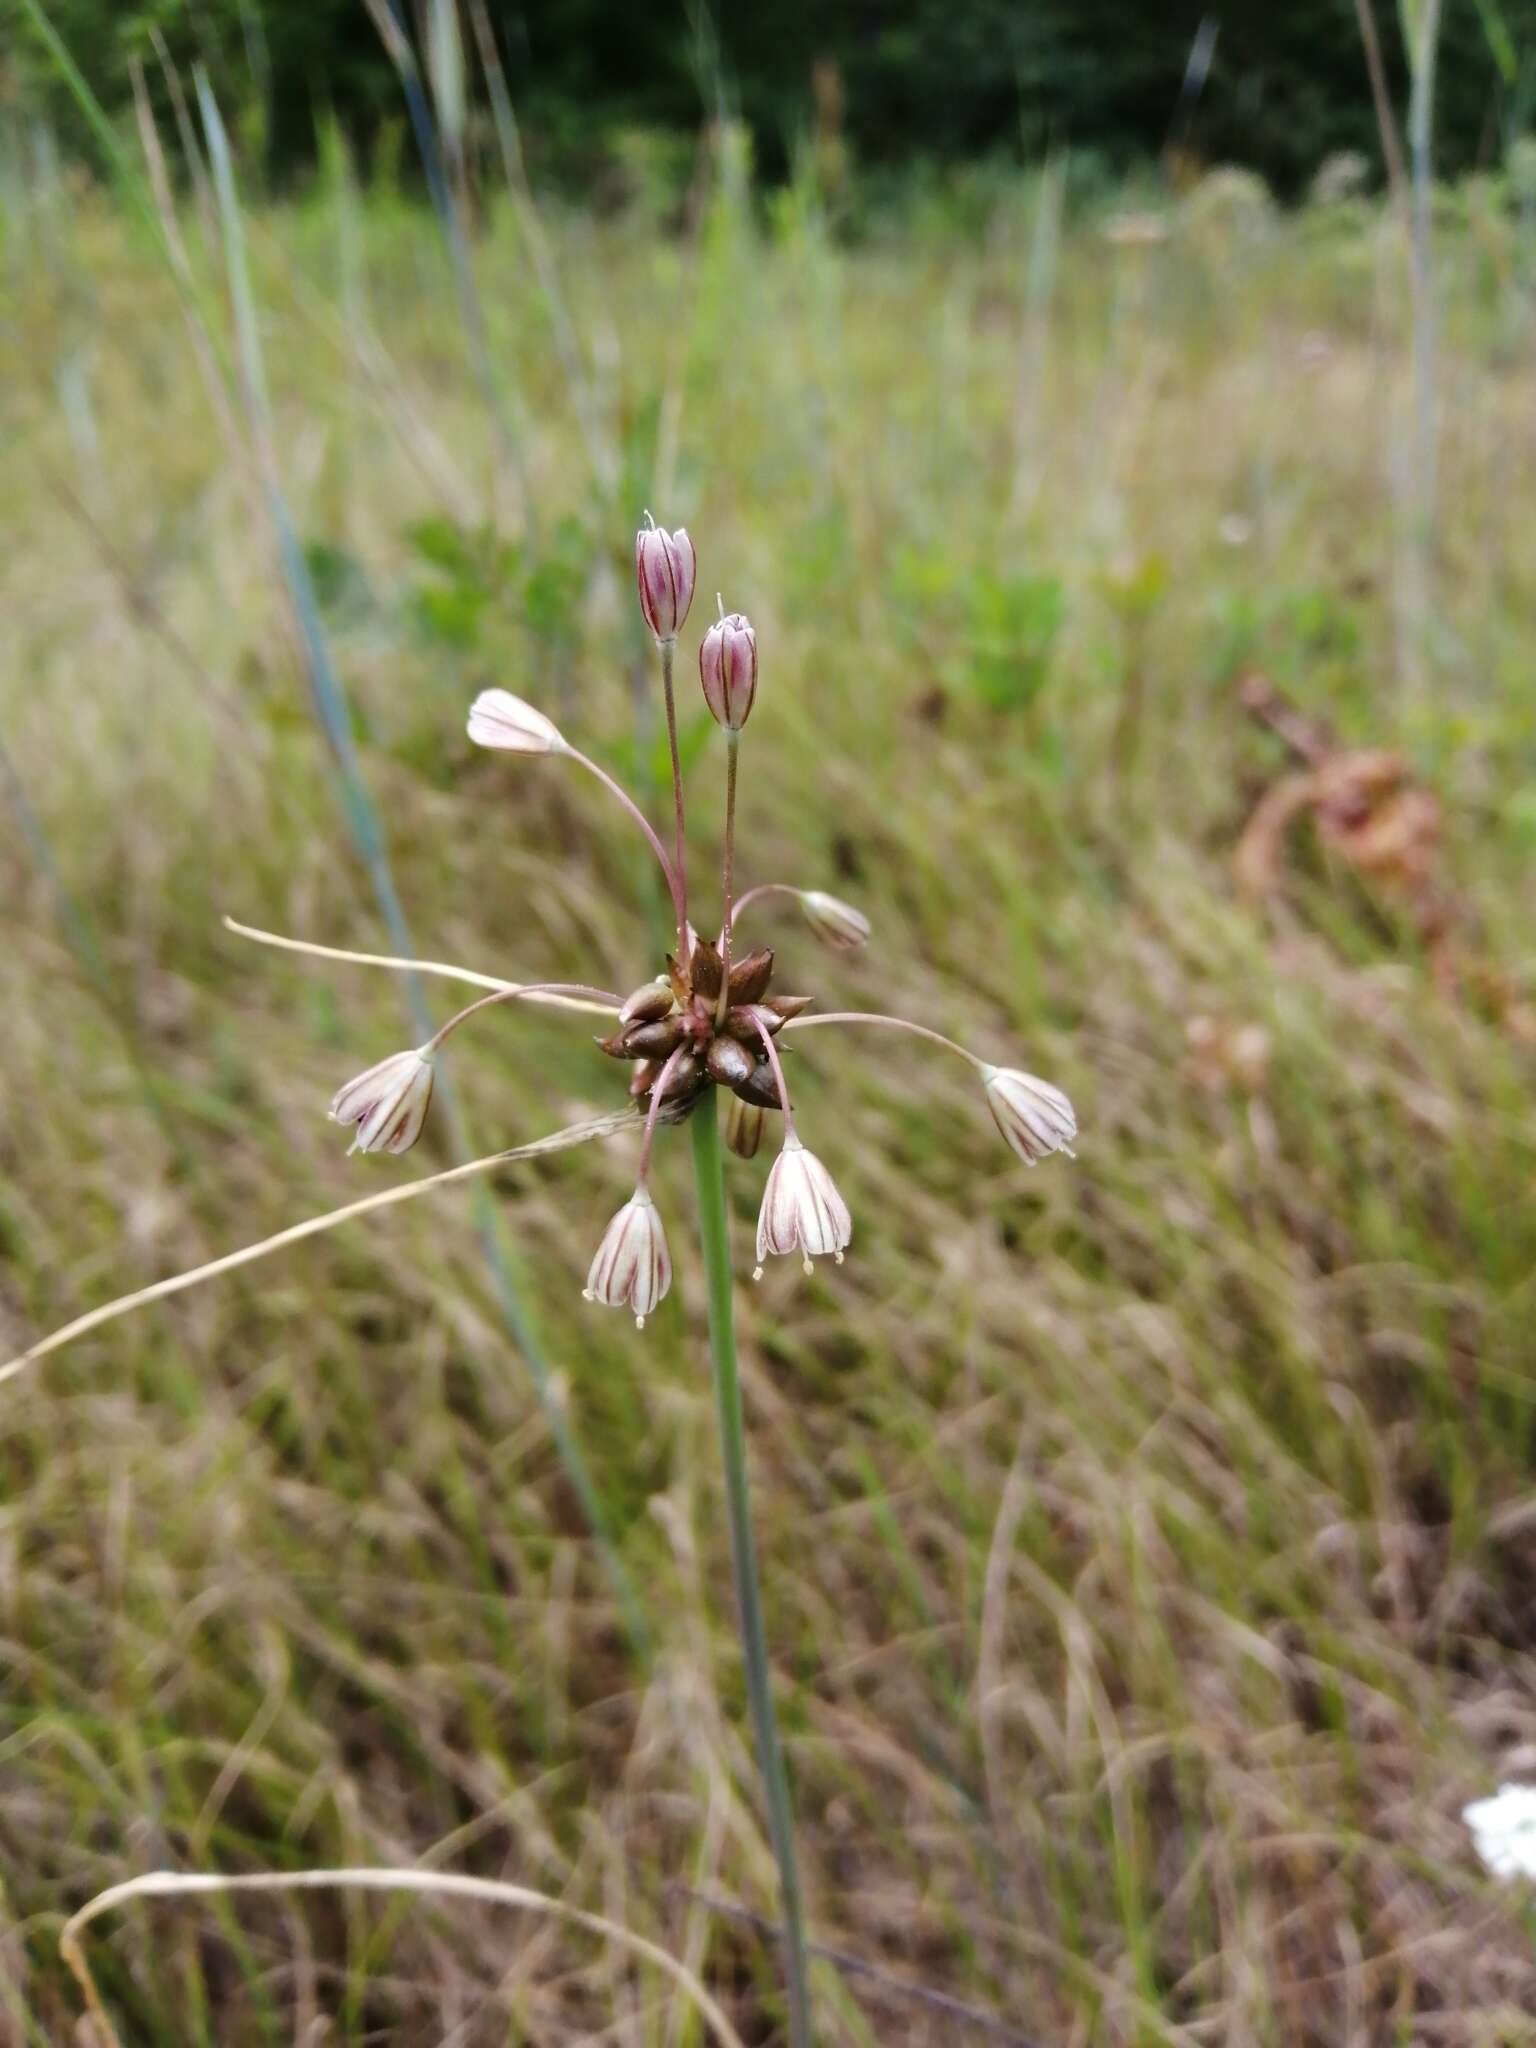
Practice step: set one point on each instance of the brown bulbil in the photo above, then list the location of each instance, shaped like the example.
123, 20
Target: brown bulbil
705, 968
661, 1016
785, 1007
762, 1088
653, 1041
751, 975
729, 1062
649, 1003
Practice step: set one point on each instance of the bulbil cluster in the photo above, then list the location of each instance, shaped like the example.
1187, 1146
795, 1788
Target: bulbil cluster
674, 1026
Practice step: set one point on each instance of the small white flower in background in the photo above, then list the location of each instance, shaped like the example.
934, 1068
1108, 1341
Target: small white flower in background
1235, 530
1504, 1830
835, 923
498, 719
633, 1268
802, 1210
388, 1103
1034, 1117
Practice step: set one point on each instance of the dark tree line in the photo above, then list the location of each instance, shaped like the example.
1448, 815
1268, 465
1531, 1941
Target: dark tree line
940, 79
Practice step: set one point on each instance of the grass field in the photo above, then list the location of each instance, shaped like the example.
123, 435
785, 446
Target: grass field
1149, 1541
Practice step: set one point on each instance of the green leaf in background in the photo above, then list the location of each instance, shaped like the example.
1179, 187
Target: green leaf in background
1014, 623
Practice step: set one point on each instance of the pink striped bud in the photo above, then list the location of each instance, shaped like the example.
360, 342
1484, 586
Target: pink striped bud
728, 670
664, 572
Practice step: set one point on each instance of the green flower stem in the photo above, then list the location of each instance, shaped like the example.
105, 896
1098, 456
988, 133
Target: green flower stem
714, 1237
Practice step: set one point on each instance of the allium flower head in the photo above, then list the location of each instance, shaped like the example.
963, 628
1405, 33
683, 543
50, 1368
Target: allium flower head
802, 1210
633, 1268
712, 1021
1035, 1118
835, 923
664, 572
388, 1103
728, 670
498, 719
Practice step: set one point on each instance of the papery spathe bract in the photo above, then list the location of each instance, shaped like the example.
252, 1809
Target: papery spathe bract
1035, 1118
664, 573
388, 1103
835, 923
802, 1210
728, 670
498, 719
633, 1268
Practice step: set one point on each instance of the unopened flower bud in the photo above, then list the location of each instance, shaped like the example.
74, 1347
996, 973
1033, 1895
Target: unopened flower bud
743, 1126
388, 1103
835, 923
1035, 1118
498, 719
728, 670
802, 1210
664, 571
633, 1268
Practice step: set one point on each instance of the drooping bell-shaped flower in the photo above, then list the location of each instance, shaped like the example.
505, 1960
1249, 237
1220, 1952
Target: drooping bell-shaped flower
728, 670
664, 572
633, 1268
835, 923
498, 719
802, 1210
1035, 1118
388, 1103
